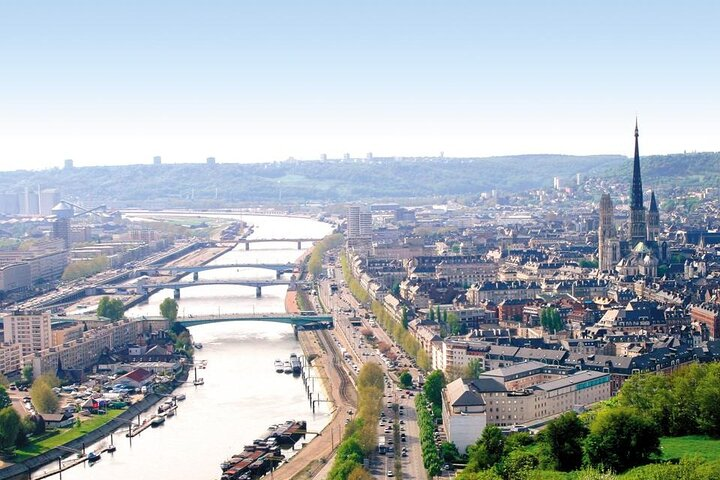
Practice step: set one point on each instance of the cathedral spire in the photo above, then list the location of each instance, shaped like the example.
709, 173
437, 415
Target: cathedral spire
638, 227
653, 203
636, 197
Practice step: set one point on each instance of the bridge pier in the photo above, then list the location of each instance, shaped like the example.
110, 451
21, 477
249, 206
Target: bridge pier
299, 244
258, 291
176, 294
247, 245
196, 276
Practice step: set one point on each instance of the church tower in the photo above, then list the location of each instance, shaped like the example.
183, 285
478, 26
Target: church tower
653, 220
638, 228
608, 242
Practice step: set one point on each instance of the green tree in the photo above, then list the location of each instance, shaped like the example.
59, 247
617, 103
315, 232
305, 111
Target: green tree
487, 451
404, 318
449, 452
434, 384
519, 464
169, 309
473, 369
27, 373
111, 308
43, 397
431, 315
454, 325
621, 438
564, 437
550, 320
4, 398
405, 379
9, 428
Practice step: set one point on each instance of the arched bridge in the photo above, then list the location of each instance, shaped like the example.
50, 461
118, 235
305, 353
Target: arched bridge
299, 241
143, 288
297, 320
195, 270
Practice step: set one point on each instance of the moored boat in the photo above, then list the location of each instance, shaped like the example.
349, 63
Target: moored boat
279, 366
157, 421
287, 367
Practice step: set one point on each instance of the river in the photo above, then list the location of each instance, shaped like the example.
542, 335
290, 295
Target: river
242, 394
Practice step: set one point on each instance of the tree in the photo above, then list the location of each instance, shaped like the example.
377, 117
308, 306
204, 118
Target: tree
4, 380
434, 384
9, 428
111, 308
359, 473
27, 373
564, 439
449, 452
404, 318
473, 369
4, 398
43, 397
518, 464
550, 320
169, 309
405, 379
487, 451
621, 438
453, 323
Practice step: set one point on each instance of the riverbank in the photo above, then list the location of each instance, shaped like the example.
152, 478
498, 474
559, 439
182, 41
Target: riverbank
23, 470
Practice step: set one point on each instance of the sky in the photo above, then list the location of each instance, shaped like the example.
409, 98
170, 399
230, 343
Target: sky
255, 81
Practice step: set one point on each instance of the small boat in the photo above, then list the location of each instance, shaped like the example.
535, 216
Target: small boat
279, 366
180, 396
287, 367
198, 345
93, 457
111, 449
170, 413
199, 381
157, 421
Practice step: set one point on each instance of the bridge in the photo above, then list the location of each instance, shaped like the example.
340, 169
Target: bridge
299, 241
278, 267
142, 288
302, 321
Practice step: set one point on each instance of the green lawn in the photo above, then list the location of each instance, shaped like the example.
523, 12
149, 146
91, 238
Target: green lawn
677, 447
66, 435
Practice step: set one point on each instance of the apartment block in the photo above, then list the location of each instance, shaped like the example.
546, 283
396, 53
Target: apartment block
30, 329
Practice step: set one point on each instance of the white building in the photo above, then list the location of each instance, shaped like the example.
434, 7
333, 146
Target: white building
30, 329
529, 394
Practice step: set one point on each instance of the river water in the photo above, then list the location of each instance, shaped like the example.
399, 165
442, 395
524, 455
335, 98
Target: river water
242, 394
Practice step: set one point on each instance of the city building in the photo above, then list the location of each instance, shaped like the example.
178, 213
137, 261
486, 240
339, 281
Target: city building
63, 213
11, 356
30, 329
608, 241
528, 394
49, 197
157, 160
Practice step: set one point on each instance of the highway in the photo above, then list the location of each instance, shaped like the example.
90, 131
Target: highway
344, 308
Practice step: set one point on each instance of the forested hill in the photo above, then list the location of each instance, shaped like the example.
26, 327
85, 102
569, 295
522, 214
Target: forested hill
298, 181
676, 170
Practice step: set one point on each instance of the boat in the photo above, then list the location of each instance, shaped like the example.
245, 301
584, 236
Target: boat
295, 364
279, 366
180, 396
171, 412
287, 367
93, 457
289, 432
111, 449
198, 381
198, 345
157, 421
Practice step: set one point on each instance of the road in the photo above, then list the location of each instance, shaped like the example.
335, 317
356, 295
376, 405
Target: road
344, 308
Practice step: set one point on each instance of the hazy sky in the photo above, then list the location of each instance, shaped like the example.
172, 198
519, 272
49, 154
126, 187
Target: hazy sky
120, 82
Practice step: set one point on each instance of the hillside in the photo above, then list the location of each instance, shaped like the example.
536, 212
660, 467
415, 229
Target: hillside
301, 181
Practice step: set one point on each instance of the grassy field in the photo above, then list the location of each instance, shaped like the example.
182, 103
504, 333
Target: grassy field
66, 435
677, 447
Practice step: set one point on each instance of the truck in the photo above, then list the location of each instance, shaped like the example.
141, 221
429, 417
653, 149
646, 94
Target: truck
382, 447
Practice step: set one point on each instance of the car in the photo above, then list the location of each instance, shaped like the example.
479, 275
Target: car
402, 422
27, 399
390, 473
404, 454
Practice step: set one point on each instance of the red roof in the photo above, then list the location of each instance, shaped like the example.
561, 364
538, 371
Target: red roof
139, 375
